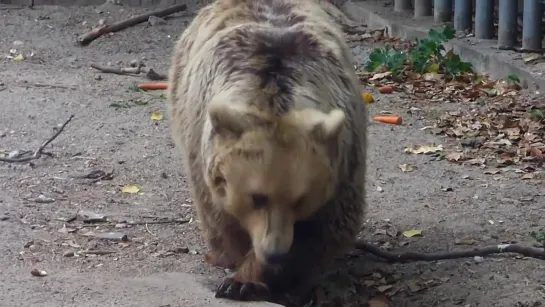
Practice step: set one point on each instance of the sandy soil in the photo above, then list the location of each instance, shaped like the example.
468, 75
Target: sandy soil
42, 91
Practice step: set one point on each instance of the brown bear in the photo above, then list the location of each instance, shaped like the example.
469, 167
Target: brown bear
265, 106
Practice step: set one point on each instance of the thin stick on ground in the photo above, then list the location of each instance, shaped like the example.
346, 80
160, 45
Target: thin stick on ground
127, 71
90, 36
526, 251
40, 151
138, 223
131, 71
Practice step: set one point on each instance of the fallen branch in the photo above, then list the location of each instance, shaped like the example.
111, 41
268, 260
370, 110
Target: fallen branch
90, 36
38, 152
131, 71
527, 251
140, 223
97, 252
127, 71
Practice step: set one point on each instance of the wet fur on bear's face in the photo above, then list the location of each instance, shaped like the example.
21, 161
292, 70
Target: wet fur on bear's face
269, 172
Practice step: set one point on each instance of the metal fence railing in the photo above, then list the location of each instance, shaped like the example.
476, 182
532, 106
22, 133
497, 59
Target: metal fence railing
511, 22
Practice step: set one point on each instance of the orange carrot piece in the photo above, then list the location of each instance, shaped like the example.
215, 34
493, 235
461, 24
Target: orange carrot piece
153, 86
385, 89
394, 120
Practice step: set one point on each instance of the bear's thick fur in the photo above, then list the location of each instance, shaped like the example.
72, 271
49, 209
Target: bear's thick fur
266, 108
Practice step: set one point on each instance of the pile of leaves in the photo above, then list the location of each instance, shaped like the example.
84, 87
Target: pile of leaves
498, 133
427, 71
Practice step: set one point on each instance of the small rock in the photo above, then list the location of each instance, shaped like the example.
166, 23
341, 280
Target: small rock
38, 273
155, 21
91, 217
193, 252
68, 253
113, 236
42, 199
4, 217
98, 77
478, 259
121, 225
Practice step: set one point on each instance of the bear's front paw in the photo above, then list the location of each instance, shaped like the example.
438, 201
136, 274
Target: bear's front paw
233, 289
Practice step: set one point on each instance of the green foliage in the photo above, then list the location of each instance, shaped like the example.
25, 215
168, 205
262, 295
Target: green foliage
537, 115
428, 55
386, 58
538, 236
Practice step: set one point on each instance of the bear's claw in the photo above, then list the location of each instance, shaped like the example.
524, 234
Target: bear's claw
233, 289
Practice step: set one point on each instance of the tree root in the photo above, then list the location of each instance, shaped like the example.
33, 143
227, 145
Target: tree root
526, 251
23, 157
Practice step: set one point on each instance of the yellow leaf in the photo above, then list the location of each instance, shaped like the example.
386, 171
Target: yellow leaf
425, 149
367, 97
412, 233
18, 58
131, 189
433, 68
156, 116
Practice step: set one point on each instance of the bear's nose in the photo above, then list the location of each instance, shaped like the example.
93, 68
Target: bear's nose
276, 258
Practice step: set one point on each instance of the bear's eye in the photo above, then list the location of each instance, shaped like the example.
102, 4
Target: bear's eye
260, 200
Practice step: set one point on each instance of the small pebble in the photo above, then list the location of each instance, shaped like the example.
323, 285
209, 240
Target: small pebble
4, 217
478, 259
68, 253
42, 199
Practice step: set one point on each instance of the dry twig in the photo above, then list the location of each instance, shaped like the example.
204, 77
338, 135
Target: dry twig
97, 252
38, 152
140, 223
127, 71
131, 71
90, 36
527, 251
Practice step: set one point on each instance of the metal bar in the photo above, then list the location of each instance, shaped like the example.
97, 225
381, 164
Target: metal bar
484, 19
422, 8
442, 10
507, 25
531, 27
463, 13
402, 5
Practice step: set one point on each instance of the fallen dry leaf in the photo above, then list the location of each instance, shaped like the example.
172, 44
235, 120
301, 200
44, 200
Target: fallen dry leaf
464, 241
367, 98
424, 149
131, 189
454, 156
156, 116
406, 168
412, 233
380, 76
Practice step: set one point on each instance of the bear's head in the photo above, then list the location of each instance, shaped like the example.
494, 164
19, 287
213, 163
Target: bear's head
272, 171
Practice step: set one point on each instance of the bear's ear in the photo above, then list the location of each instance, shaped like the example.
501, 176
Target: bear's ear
232, 119
325, 127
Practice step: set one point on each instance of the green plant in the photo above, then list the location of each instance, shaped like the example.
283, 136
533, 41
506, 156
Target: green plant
539, 236
428, 55
386, 58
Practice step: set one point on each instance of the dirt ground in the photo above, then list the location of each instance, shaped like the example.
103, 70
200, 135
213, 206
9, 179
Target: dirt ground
112, 131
